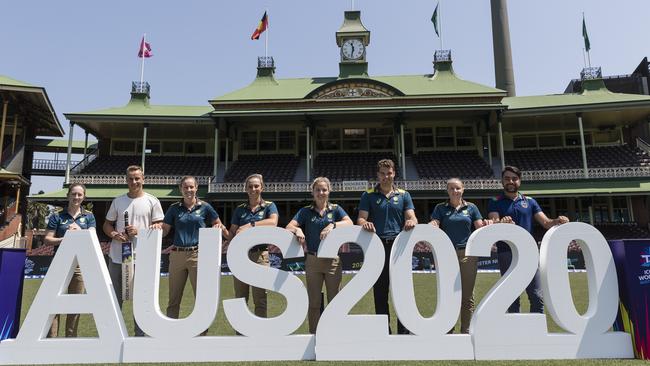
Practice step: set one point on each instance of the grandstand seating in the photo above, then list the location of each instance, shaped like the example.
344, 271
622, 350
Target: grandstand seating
571, 158
350, 166
155, 165
274, 167
445, 164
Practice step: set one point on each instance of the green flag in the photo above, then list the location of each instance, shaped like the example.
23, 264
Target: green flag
584, 34
434, 20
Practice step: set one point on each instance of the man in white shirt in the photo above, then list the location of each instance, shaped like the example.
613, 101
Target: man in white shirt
143, 210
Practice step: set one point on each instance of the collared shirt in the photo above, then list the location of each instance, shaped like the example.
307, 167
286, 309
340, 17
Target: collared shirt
457, 223
386, 213
522, 210
244, 215
187, 222
312, 223
60, 222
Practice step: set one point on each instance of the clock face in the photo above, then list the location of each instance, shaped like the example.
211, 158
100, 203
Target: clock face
352, 49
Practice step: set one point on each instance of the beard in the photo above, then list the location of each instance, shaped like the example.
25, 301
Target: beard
510, 188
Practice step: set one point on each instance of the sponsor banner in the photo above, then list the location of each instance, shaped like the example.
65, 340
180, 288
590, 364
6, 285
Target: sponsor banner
632, 259
12, 262
36, 266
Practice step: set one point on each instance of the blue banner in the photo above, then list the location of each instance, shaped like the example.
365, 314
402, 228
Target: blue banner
632, 259
12, 264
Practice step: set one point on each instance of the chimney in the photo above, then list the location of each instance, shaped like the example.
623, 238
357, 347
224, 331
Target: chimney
503, 71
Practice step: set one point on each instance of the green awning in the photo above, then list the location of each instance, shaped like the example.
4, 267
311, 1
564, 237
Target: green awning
603, 187
107, 193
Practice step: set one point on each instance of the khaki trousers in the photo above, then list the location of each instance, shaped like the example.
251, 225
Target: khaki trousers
76, 286
468, 268
181, 266
260, 257
319, 270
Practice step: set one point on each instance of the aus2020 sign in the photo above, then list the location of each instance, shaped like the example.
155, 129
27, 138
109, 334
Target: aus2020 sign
494, 334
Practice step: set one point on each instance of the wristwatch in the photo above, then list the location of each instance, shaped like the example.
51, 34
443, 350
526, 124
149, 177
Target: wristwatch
334, 223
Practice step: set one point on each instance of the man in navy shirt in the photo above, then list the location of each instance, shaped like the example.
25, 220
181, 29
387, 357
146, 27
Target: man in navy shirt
515, 208
386, 210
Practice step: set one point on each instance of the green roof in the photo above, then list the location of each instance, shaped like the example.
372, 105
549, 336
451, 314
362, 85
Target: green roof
62, 143
594, 95
599, 187
443, 83
4, 80
135, 109
107, 193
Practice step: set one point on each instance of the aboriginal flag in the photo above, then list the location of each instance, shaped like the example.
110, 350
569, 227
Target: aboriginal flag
264, 23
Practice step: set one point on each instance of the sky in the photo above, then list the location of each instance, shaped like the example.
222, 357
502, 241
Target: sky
85, 52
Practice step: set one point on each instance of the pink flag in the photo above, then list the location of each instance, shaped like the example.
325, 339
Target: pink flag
145, 49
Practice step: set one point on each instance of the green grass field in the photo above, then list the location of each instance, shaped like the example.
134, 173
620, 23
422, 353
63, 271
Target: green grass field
425, 289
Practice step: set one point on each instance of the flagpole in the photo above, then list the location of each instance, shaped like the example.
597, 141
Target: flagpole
142, 47
266, 39
440, 21
584, 60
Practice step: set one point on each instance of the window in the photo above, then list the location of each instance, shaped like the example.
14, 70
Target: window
124, 146
268, 141
574, 139
621, 212
172, 147
381, 138
286, 140
607, 137
444, 137
355, 139
524, 141
328, 139
550, 140
423, 137
195, 147
465, 136
249, 140
153, 147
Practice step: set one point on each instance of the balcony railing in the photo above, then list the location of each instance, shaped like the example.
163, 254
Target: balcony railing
594, 173
265, 62
590, 73
354, 186
442, 56
121, 179
81, 165
140, 87
49, 164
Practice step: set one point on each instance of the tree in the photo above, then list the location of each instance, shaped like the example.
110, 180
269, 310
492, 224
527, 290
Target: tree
37, 214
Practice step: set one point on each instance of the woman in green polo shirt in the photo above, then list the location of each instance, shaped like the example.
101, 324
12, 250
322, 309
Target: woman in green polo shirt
457, 218
311, 225
73, 217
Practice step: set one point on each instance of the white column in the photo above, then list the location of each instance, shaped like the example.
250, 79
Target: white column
582, 146
402, 152
216, 151
630, 209
144, 146
13, 135
226, 155
5, 106
489, 143
501, 152
610, 208
68, 159
308, 155
85, 145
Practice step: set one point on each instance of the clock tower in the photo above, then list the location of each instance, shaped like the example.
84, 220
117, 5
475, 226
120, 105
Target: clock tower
353, 38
